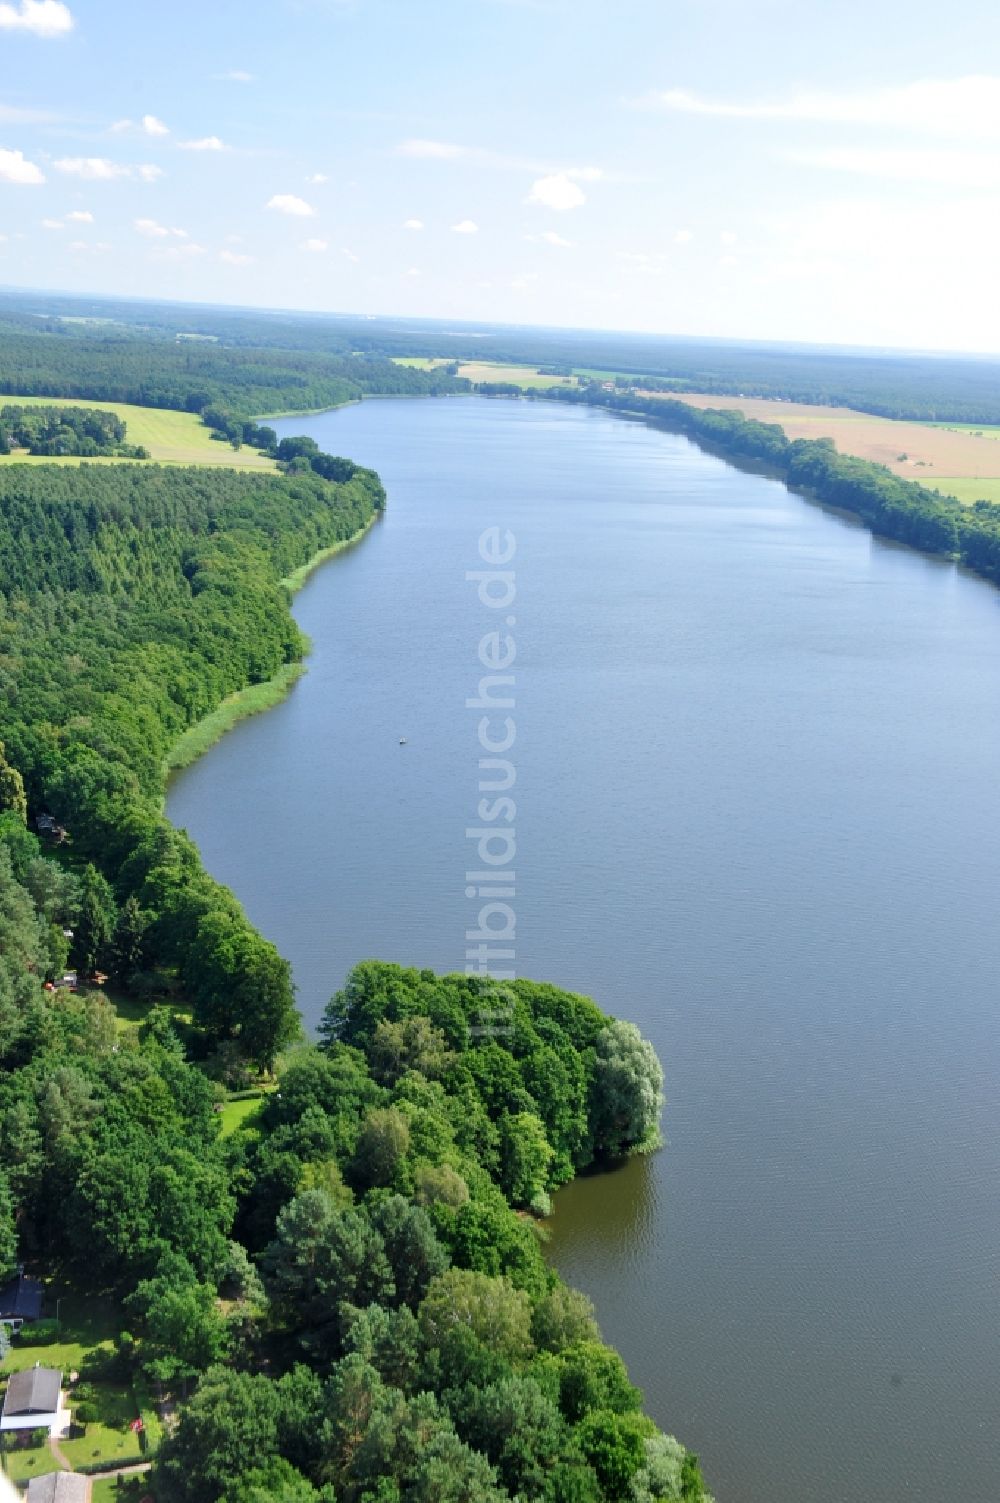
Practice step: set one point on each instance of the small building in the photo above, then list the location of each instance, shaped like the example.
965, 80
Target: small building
59, 1487
20, 1301
33, 1401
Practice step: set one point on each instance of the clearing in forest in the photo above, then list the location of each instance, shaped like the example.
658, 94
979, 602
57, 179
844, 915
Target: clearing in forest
171, 437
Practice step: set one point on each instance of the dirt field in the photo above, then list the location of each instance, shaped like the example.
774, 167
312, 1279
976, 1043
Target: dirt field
936, 456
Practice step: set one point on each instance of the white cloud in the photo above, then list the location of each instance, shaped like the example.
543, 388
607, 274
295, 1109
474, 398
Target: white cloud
585, 174
949, 106
155, 231
557, 192
315, 245
44, 18
99, 169
318, 177
551, 238
351, 256
203, 143
14, 114
683, 237
960, 169
80, 216
465, 227
15, 168
235, 75
289, 203
148, 172
442, 151
413, 224
149, 125
728, 261
523, 282
727, 237
53, 224
179, 252
235, 258
413, 271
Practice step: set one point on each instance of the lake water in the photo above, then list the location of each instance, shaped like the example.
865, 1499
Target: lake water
758, 813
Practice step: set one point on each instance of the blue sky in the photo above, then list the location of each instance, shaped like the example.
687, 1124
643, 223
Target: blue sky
788, 171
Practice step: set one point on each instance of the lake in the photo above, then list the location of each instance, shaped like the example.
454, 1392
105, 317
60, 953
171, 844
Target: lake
758, 810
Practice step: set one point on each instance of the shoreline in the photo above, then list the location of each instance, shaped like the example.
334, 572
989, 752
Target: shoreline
206, 732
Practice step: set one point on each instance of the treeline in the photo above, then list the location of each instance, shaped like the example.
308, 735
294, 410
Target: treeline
54, 431
294, 454
132, 602
891, 507
936, 388
122, 364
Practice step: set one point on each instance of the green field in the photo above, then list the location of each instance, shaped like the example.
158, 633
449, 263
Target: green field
171, 437
981, 430
967, 489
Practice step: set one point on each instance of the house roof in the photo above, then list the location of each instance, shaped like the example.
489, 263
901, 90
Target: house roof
59, 1487
34, 1391
21, 1299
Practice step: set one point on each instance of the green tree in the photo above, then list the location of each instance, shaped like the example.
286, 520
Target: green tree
382, 1147
275, 1482
229, 1428
627, 1090
494, 1311
184, 1329
614, 1445
12, 795
526, 1157
324, 1256
413, 1251
8, 1231
561, 1318
413, 1043
95, 924
128, 942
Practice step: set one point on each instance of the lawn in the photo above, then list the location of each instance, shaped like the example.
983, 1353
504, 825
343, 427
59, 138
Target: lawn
109, 1439
237, 1114
87, 1325
25, 1462
171, 437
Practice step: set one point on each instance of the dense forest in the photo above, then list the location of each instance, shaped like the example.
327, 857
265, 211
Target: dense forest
135, 599
347, 1296
891, 507
929, 388
57, 431
117, 363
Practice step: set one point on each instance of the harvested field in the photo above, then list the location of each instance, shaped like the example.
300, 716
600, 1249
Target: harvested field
935, 455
